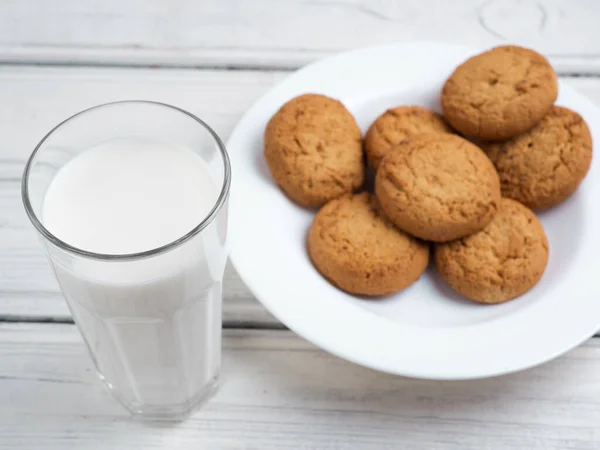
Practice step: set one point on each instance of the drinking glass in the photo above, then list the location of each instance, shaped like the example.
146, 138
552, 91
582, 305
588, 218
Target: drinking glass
151, 320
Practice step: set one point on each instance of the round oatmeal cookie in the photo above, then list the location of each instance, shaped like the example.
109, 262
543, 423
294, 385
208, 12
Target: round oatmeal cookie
397, 124
502, 261
500, 93
440, 187
543, 166
358, 250
313, 149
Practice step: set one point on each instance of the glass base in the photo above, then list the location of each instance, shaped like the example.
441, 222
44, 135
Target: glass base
175, 412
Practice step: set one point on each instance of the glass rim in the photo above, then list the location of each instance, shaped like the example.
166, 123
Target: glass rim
39, 226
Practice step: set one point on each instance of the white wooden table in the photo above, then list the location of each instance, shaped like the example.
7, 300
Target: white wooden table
214, 58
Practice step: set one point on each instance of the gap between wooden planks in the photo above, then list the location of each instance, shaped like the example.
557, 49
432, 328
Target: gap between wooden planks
287, 34
276, 386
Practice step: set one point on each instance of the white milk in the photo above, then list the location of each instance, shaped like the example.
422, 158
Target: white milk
128, 196
152, 325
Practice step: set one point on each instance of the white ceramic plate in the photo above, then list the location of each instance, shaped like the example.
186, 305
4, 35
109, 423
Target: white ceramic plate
426, 331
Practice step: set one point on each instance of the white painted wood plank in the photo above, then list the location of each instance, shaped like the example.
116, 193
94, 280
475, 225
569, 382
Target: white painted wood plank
286, 33
38, 298
36, 99
39, 99
279, 392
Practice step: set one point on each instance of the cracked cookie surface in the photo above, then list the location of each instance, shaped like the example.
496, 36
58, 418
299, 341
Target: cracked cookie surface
438, 188
358, 250
543, 166
501, 262
397, 124
500, 93
313, 149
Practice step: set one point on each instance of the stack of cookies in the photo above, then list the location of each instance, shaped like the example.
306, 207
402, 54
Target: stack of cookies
464, 183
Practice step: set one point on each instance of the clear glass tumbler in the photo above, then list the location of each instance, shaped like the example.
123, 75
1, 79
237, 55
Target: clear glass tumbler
151, 320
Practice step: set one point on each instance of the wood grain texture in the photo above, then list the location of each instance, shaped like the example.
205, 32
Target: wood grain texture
42, 97
267, 33
279, 392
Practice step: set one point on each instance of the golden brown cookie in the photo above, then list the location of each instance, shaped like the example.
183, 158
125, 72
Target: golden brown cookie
440, 187
499, 93
543, 166
360, 251
499, 263
314, 151
397, 124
